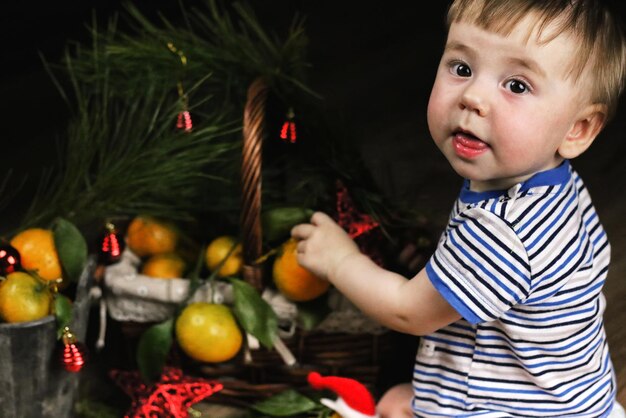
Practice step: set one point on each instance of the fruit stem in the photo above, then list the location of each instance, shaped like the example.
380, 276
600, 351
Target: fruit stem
265, 256
53, 285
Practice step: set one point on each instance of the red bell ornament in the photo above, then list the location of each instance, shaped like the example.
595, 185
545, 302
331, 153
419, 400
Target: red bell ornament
74, 354
184, 122
288, 129
112, 245
10, 259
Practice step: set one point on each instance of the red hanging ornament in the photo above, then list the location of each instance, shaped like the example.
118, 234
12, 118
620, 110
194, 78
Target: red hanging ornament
10, 259
170, 397
112, 245
184, 121
74, 354
288, 130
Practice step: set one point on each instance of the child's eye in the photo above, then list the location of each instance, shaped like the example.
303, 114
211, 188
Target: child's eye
517, 86
462, 70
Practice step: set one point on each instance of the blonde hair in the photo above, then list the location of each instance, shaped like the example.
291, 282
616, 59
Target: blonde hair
601, 50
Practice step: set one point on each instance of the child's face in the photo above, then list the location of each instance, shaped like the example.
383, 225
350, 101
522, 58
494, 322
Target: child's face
501, 106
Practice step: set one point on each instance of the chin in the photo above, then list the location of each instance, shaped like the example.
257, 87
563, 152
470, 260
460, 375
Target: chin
466, 169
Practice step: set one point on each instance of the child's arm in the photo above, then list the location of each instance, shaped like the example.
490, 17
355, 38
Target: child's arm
411, 306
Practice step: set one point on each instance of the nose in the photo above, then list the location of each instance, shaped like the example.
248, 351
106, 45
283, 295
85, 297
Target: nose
474, 99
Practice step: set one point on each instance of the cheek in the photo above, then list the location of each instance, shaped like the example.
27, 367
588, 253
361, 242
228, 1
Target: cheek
530, 130
436, 111
515, 138
522, 142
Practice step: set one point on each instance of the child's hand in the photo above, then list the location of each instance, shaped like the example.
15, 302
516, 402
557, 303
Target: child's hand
322, 245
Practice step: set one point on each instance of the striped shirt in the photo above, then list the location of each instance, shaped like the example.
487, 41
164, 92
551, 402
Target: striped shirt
525, 269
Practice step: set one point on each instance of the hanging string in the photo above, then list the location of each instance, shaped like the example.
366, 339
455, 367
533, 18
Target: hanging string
183, 58
183, 121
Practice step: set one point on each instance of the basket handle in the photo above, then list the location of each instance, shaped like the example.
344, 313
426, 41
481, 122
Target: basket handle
250, 221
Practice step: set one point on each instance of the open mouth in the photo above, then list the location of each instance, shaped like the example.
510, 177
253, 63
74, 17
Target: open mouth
467, 145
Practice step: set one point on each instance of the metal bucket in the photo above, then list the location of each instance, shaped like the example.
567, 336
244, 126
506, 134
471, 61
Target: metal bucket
33, 383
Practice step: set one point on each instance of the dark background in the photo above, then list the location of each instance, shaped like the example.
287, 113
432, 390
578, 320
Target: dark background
373, 62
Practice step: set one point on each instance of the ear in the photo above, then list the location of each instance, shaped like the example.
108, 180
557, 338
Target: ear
583, 132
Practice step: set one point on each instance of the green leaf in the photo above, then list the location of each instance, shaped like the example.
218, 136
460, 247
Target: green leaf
154, 346
71, 247
277, 222
285, 404
63, 312
254, 314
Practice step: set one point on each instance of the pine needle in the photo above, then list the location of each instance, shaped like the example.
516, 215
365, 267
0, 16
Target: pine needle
122, 155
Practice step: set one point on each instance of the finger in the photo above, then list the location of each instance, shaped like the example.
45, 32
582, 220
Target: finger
319, 218
302, 231
301, 247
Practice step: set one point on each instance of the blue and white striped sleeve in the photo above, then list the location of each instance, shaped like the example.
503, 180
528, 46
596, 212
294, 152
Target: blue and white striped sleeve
480, 266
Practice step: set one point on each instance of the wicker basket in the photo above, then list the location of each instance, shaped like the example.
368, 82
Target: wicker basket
260, 372
358, 356
345, 348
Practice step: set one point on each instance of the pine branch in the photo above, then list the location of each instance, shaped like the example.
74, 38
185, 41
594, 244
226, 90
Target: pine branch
121, 160
233, 51
121, 154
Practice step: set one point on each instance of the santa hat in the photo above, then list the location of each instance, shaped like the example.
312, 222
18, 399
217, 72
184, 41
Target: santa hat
354, 399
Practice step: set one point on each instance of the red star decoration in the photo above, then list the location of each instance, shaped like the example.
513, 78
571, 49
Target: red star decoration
359, 226
348, 217
170, 397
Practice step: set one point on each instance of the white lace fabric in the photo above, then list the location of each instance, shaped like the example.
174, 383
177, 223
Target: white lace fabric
131, 296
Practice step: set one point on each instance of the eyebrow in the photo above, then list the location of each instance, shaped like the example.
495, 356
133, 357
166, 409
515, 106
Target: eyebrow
529, 64
457, 46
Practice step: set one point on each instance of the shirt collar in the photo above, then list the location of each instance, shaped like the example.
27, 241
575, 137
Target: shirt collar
553, 177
